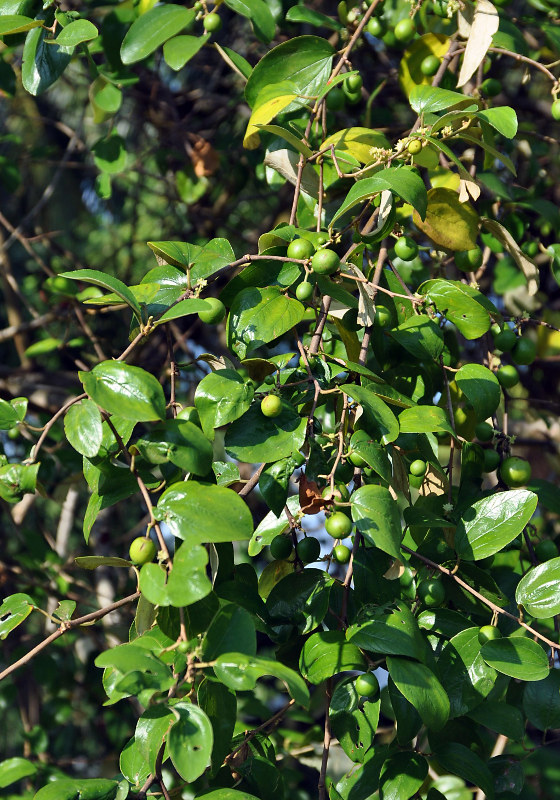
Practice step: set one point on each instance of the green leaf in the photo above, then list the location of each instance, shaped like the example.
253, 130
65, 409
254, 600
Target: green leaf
395, 634
421, 336
502, 118
299, 600
17, 480
83, 428
125, 390
402, 775
220, 706
374, 453
14, 769
385, 424
259, 14
198, 512
82, 789
240, 672
200, 261
186, 583
541, 702
502, 718
301, 13
422, 689
459, 760
465, 676
377, 518
150, 733
454, 299
42, 63
519, 658
305, 61
257, 316
539, 590
81, 30
357, 142
274, 483
109, 154
231, 627
547, 492
255, 438
190, 740
493, 522
289, 137
179, 50
222, 397
271, 526
481, 388
8, 416
402, 181
92, 562
16, 23
152, 29
424, 99
226, 794
326, 653
180, 442
424, 419
183, 308
98, 278
132, 764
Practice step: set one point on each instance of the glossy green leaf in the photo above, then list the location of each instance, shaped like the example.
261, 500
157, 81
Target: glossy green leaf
133, 765
326, 653
395, 633
125, 390
299, 600
274, 483
183, 308
190, 740
374, 453
82, 426
517, 657
464, 674
255, 438
8, 415
493, 522
222, 397
81, 30
14, 769
481, 388
231, 627
98, 278
502, 718
402, 181
42, 63
226, 794
152, 29
424, 419
362, 782
424, 99
305, 61
198, 512
17, 480
180, 442
547, 492
240, 672
17, 23
200, 260
81, 789
377, 518
407, 719
443, 621
402, 775
422, 689
461, 761
502, 118
220, 706
92, 562
300, 13
258, 316
259, 14
538, 591
271, 526
461, 304
384, 424
353, 727
421, 336
109, 154
541, 702
185, 584
179, 50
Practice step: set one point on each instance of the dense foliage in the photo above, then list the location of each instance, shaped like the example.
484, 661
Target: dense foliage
279, 405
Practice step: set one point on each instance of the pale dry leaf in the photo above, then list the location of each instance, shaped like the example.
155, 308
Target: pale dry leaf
465, 18
285, 163
395, 570
485, 24
525, 264
468, 189
366, 296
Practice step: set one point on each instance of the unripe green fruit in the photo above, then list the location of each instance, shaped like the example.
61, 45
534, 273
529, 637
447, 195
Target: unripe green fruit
341, 554
414, 147
491, 460
281, 547
430, 65
339, 494
271, 405
300, 248
508, 376
546, 550
382, 317
375, 27
325, 262
367, 685
491, 87
215, 313
484, 432
515, 472
468, 260
183, 647
309, 549
406, 578
415, 481
487, 633
336, 99
356, 459
404, 30
439, 7
352, 97
418, 468
406, 248
304, 291
505, 340
298, 458
212, 22
142, 550
431, 593
338, 525
354, 82
524, 351
555, 110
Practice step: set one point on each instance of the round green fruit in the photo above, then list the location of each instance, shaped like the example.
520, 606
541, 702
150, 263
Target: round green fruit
406, 578
300, 248
382, 317
215, 313
281, 547
414, 147
376, 28
468, 260
415, 481
212, 22
142, 550
508, 376
531, 248
339, 494
491, 87
524, 351
491, 460
406, 248
431, 593
354, 82
352, 97
430, 65
418, 468
488, 633
336, 99
338, 525
515, 472
484, 432
271, 405
367, 685
309, 549
404, 30
439, 7
325, 262
505, 340
304, 291
555, 110
341, 554
546, 550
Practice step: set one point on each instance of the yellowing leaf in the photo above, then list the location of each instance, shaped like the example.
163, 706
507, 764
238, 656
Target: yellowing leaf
270, 102
357, 142
449, 223
445, 178
410, 74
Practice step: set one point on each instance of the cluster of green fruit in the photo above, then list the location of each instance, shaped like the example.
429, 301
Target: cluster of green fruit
211, 21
